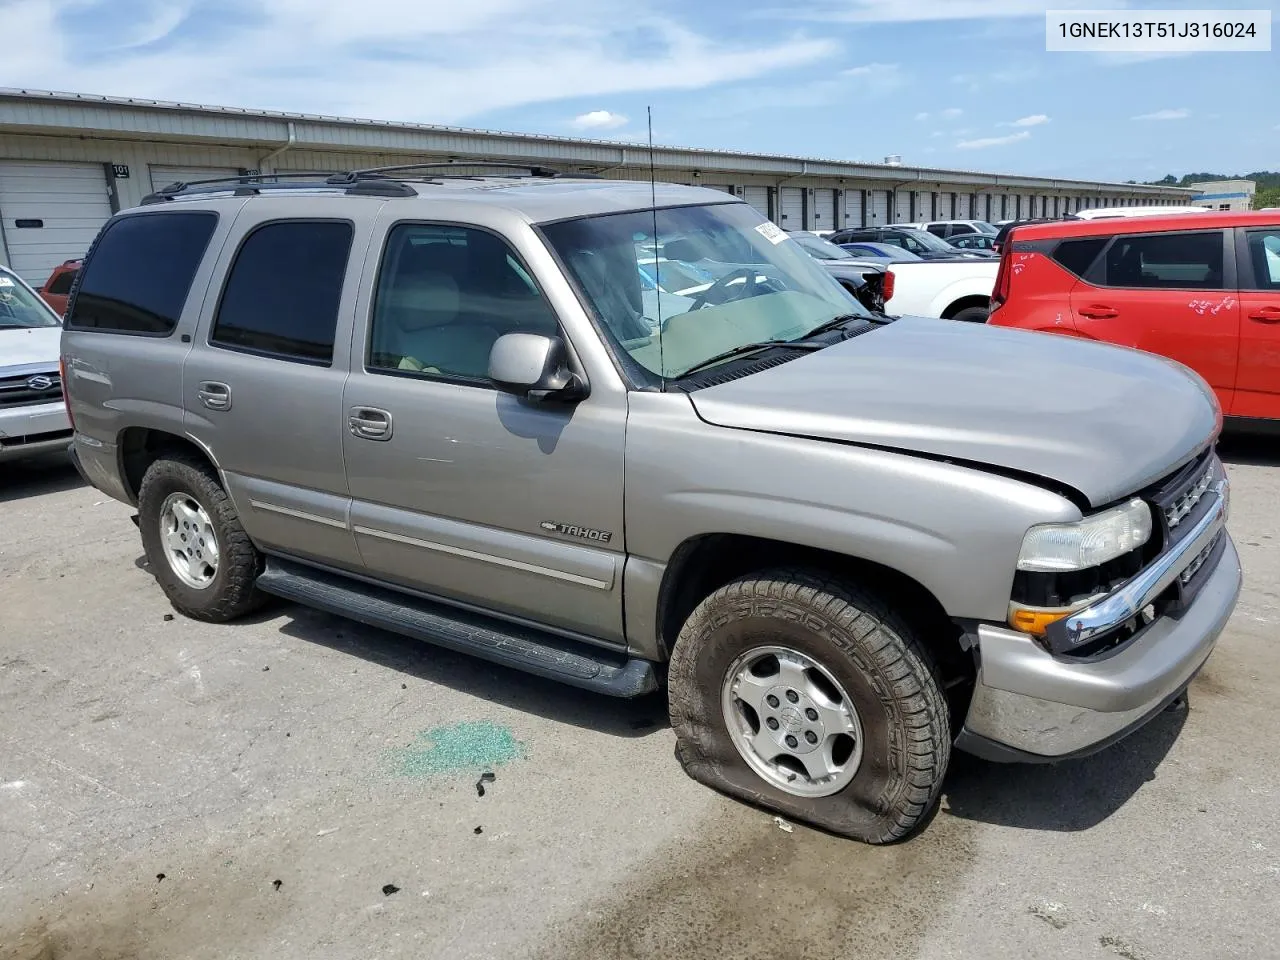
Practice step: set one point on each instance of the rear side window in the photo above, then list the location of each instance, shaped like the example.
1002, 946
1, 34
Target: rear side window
1078, 255
282, 294
937, 229
1264, 252
138, 275
1166, 261
62, 283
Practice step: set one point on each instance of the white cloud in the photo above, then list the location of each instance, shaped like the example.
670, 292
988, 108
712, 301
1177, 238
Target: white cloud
900, 11
922, 115
877, 77
952, 113
1179, 114
1035, 120
984, 142
937, 133
599, 120
398, 59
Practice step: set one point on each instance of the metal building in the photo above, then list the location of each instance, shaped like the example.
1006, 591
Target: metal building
67, 161
1223, 194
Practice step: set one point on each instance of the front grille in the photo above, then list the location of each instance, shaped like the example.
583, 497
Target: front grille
1198, 561
30, 388
1184, 504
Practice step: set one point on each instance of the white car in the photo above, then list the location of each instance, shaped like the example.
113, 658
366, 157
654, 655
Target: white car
950, 289
949, 229
1104, 213
33, 415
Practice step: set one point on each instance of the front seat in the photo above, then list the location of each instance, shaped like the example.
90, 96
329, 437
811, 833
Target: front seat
428, 331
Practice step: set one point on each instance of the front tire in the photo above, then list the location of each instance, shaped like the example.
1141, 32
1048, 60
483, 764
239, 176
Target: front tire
197, 550
972, 315
806, 695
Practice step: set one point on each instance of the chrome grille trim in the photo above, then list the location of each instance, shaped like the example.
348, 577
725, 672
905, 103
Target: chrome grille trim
1182, 507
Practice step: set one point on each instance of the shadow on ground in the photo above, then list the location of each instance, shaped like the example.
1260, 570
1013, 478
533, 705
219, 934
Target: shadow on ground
1250, 449
1068, 796
467, 674
37, 476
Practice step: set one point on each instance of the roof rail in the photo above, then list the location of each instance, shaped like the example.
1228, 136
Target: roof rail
251, 184
351, 176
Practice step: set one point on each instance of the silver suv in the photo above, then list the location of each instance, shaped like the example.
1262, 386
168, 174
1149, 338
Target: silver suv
471, 410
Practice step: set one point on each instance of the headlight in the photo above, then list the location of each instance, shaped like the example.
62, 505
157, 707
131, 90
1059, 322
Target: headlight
1091, 542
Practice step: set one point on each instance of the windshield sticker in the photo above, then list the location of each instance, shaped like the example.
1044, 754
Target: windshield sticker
5, 282
771, 232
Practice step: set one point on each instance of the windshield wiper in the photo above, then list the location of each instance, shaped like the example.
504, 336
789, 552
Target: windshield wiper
835, 323
749, 348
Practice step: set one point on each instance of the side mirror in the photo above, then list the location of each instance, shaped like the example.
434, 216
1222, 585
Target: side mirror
535, 367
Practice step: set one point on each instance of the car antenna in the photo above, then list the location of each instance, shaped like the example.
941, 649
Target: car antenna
657, 260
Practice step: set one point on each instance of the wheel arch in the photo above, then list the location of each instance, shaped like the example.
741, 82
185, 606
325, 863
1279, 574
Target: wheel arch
139, 447
964, 303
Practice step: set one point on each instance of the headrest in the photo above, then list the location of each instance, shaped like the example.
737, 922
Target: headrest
422, 300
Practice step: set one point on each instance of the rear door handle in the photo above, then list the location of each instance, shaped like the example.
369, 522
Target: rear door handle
369, 423
1098, 311
1266, 315
214, 395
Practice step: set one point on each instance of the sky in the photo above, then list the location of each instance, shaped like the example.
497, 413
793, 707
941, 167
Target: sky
962, 84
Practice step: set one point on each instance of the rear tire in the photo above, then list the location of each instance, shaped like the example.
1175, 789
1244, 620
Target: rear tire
848, 648
197, 550
973, 315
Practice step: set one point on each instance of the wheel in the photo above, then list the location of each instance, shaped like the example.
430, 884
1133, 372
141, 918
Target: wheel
972, 315
808, 696
197, 549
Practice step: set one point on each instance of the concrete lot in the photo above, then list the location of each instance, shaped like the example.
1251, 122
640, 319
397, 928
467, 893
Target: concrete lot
281, 773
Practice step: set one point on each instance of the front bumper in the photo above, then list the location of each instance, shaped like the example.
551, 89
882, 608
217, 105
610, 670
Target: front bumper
28, 431
1029, 705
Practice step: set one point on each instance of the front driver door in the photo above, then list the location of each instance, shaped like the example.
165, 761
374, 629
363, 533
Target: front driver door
460, 491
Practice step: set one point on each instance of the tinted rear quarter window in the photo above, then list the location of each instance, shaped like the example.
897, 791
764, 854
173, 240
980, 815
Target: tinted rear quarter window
139, 272
282, 294
1166, 261
62, 283
1078, 255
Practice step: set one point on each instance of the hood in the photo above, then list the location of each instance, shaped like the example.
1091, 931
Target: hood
1103, 420
23, 347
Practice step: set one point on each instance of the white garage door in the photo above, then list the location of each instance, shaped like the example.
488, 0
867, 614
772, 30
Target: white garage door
853, 208
824, 210
879, 208
758, 197
792, 208
49, 213
962, 206
724, 187
924, 206
902, 206
163, 176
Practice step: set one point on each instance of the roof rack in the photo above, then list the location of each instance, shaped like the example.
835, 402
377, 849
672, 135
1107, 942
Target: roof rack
367, 182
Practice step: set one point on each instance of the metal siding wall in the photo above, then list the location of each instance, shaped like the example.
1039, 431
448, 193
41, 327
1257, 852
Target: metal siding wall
161, 175
792, 216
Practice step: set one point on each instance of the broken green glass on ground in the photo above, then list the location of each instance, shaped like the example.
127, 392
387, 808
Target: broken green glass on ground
461, 747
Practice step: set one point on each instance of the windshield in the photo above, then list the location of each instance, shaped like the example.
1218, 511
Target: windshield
19, 307
920, 241
762, 285
983, 227
815, 246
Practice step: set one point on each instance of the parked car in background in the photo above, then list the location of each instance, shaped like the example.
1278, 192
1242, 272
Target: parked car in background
952, 290
973, 241
847, 544
864, 279
885, 252
1007, 226
58, 287
1202, 289
920, 242
947, 229
33, 416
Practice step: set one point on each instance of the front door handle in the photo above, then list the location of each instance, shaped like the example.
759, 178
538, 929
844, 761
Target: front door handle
369, 423
214, 395
1098, 311
1266, 315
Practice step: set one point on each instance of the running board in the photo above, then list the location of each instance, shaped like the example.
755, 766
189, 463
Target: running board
522, 648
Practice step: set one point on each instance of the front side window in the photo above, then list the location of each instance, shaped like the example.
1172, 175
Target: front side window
762, 285
1166, 261
445, 295
20, 307
139, 272
1264, 253
282, 294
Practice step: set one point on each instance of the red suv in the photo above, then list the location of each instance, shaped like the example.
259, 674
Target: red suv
1202, 289
58, 287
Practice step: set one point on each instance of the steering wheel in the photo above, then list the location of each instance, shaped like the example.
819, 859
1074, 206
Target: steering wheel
748, 274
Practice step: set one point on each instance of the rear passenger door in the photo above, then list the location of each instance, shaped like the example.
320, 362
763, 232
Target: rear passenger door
1258, 380
460, 491
262, 386
1172, 294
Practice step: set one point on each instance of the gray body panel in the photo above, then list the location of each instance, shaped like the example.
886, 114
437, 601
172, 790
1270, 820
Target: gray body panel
1105, 421
924, 446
